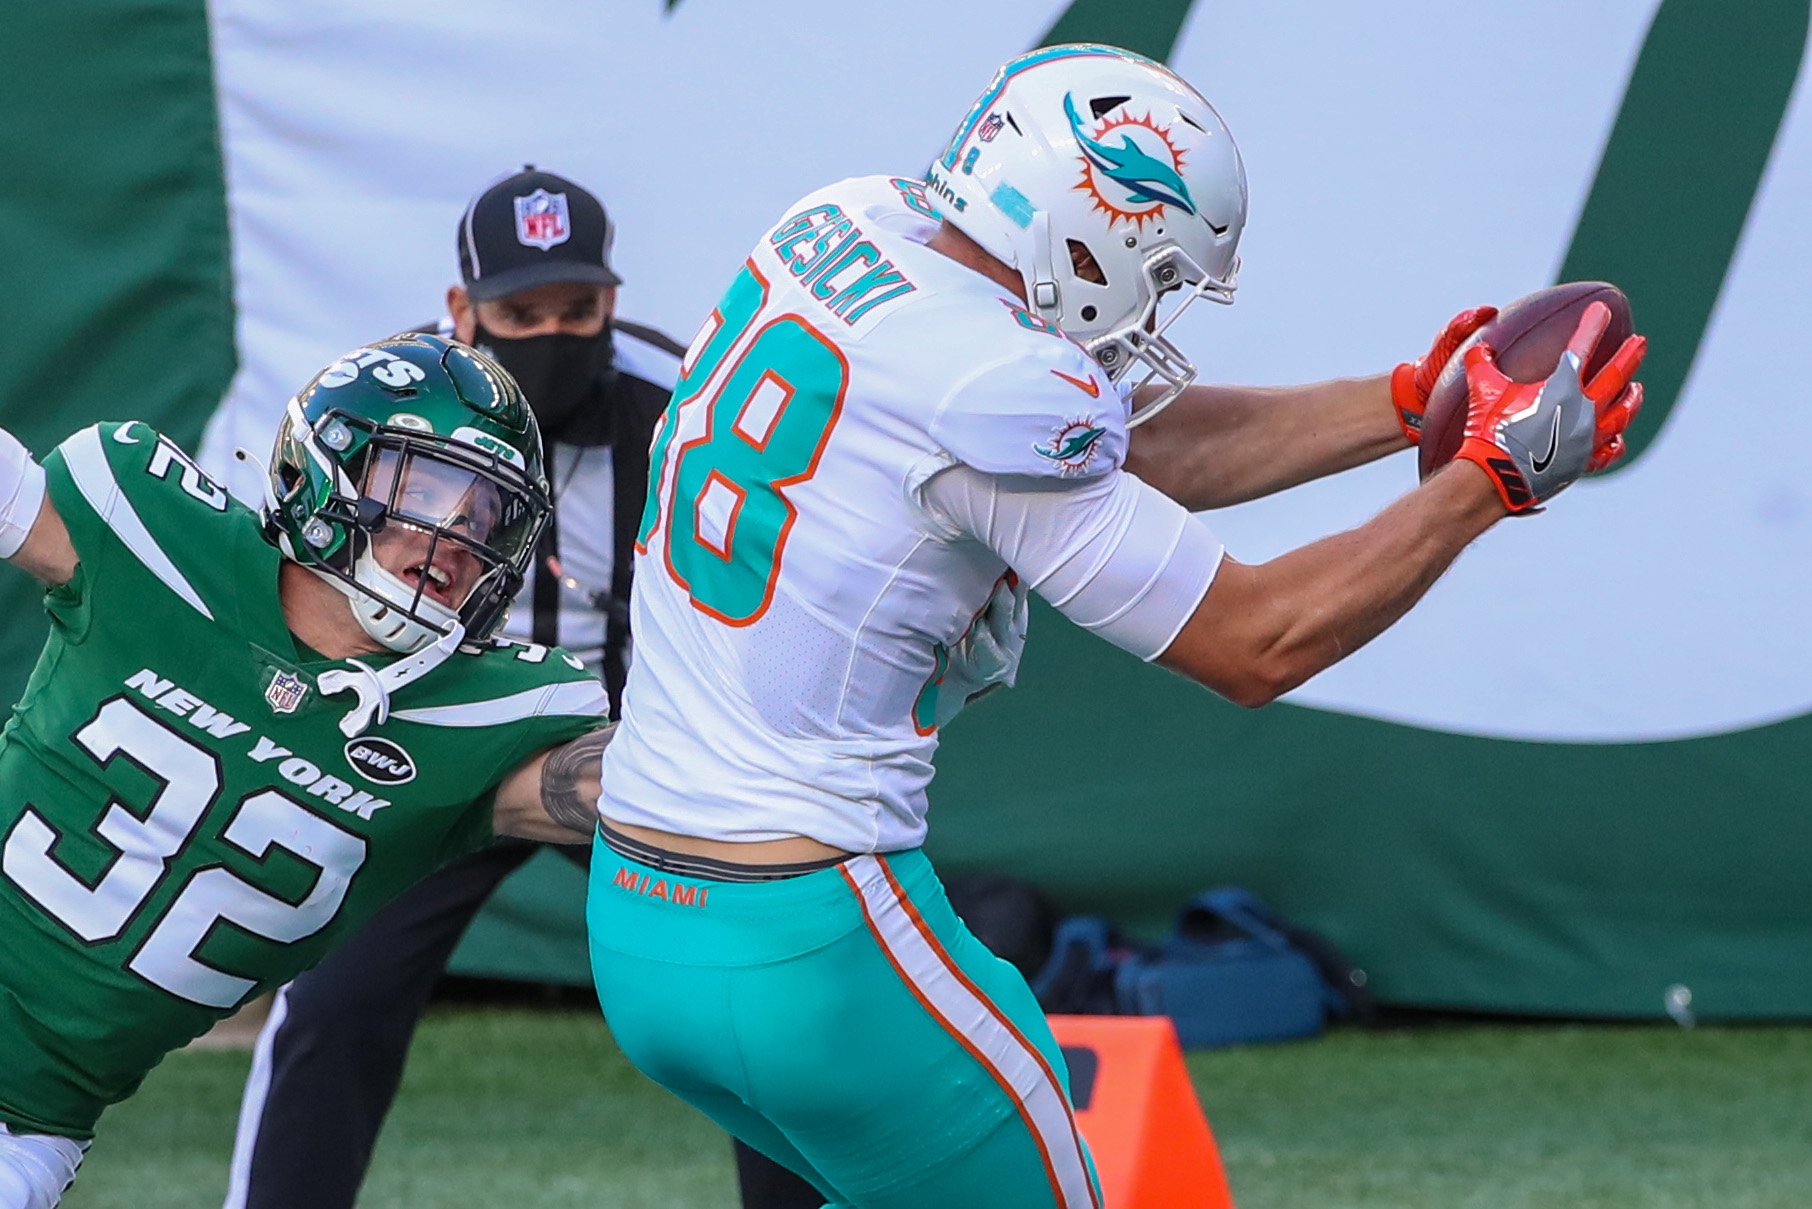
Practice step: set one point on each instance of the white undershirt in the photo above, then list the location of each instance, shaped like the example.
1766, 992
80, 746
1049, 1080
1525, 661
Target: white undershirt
1112, 553
21, 494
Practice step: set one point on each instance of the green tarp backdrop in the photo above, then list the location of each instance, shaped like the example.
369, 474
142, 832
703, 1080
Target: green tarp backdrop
1538, 867
115, 288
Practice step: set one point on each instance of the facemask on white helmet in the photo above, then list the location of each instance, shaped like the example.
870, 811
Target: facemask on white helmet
1115, 190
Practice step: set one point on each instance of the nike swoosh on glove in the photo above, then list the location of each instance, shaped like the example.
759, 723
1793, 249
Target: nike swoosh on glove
1535, 439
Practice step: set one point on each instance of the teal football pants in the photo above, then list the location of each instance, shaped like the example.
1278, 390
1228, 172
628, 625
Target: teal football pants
846, 1024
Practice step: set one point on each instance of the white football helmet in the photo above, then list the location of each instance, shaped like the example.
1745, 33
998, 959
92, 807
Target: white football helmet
1090, 148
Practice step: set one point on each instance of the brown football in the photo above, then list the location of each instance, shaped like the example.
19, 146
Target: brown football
1529, 336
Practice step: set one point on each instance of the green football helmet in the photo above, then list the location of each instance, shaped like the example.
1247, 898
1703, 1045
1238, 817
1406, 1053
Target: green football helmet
409, 475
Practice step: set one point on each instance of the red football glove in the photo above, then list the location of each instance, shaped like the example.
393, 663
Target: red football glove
1613, 420
1535, 438
1411, 381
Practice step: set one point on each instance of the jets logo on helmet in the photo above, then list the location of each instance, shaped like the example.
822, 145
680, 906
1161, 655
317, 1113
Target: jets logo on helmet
408, 475
1130, 167
1115, 191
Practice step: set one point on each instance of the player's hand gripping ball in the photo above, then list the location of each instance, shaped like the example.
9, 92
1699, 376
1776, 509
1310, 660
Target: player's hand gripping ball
1528, 337
1411, 382
1535, 438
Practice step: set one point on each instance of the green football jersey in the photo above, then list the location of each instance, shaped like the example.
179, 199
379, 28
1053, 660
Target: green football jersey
185, 824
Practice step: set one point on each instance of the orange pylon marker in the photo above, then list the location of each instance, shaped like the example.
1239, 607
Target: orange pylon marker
1137, 1108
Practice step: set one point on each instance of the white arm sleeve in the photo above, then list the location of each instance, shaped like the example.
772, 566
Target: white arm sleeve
1112, 553
21, 493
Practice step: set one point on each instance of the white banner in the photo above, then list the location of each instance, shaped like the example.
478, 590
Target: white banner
1405, 160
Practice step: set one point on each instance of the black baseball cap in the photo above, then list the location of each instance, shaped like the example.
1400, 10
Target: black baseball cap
531, 229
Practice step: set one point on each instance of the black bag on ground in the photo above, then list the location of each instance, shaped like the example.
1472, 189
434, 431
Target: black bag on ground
1081, 977
1013, 918
1231, 972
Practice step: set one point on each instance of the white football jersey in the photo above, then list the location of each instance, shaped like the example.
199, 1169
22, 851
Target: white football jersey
795, 608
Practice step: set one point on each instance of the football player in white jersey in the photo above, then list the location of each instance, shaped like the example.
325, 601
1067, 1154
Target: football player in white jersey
913, 404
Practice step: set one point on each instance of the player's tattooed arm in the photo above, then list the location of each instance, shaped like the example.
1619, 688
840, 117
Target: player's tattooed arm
1221, 445
554, 797
569, 781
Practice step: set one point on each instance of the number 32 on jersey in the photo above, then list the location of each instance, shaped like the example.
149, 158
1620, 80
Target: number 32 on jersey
146, 844
721, 509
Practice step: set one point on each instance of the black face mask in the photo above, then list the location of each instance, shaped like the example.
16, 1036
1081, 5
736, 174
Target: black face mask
557, 373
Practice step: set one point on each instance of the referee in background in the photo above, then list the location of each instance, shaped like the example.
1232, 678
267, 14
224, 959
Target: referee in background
538, 294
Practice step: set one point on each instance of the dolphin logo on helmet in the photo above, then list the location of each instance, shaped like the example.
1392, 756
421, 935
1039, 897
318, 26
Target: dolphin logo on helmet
1145, 177
1150, 229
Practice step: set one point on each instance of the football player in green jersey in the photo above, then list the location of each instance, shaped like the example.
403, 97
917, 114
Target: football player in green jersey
248, 730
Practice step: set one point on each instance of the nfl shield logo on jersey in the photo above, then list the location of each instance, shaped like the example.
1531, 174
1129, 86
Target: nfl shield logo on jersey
542, 220
285, 693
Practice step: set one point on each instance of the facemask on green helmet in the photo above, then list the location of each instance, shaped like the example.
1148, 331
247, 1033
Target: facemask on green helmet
408, 474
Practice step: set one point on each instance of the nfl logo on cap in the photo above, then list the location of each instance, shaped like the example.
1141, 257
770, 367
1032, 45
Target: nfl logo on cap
542, 220
533, 229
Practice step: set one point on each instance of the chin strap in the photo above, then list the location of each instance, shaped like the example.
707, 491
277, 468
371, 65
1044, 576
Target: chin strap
374, 687
1044, 298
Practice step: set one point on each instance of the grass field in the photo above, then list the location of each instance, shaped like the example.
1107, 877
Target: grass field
518, 1107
